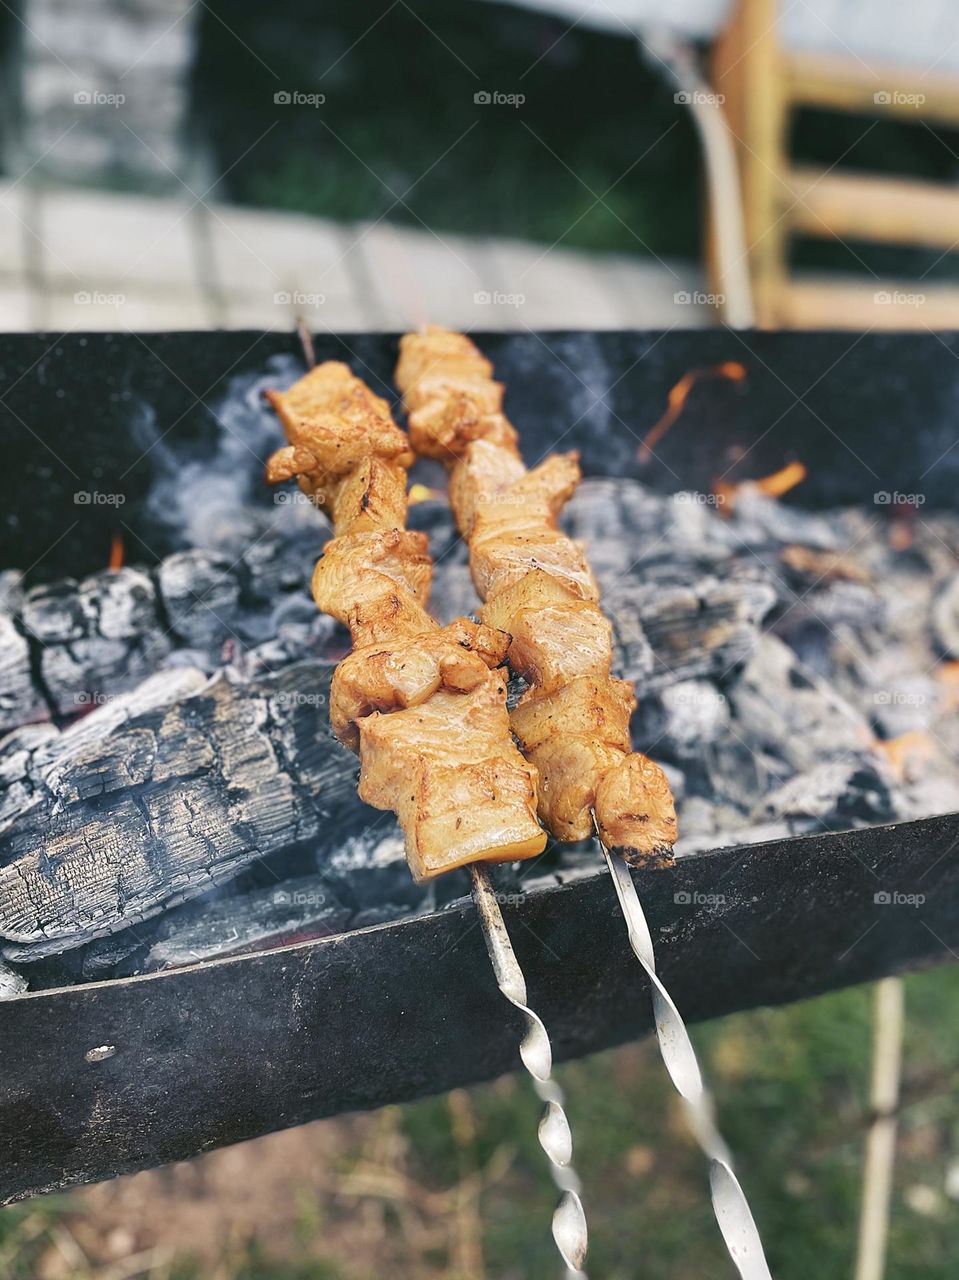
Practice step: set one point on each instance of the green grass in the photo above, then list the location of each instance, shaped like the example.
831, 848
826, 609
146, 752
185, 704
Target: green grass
792, 1086
400, 120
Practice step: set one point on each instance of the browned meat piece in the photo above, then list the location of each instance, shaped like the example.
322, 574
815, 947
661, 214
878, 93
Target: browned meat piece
573, 723
443, 768
425, 707
405, 673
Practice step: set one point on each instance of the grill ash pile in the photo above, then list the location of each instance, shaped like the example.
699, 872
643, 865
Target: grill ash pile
170, 791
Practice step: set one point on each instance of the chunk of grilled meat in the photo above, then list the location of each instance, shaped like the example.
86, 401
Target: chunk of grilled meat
424, 706
573, 723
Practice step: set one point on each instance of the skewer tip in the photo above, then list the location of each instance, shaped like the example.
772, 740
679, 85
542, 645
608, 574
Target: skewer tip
306, 342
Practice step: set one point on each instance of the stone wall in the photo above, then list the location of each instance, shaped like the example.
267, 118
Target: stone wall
104, 89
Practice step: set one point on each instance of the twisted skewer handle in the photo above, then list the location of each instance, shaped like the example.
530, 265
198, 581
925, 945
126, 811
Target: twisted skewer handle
569, 1220
729, 1200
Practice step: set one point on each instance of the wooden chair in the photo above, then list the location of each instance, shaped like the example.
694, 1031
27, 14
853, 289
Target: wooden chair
763, 79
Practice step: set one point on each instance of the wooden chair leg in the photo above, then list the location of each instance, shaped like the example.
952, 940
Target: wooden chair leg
748, 72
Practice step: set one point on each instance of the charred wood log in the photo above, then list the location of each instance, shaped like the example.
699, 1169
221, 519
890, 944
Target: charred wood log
21, 699
664, 634
68, 645
158, 796
293, 911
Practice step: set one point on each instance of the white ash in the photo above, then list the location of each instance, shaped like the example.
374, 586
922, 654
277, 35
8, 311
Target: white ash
731, 837
11, 591
21, 698
12, 983
705, 628
793, 715
945, 618
757, 519
837, 793
72, 644
681, 720
289, 911
201, 594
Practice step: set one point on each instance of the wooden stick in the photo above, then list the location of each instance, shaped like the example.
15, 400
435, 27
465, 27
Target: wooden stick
881, 1140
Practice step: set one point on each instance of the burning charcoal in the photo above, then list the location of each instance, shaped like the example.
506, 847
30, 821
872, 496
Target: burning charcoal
135, 809
11, 983
274, 568
453, 595
681, 720
47, 747
105, 635
633, 657
516, 686
930, 781
20, 698
733, 837
824, 625
781, 709
735, 771
434, 518
806, 566
851, 603
289, 912
16, 753
945, 618
369, 869
705, 629
99, 638
54, 614
201, 593
854, 790
759, 518
107, 957
616, 519
906, 705
675, 777
626, 527
11, 591
81, 674
122, 602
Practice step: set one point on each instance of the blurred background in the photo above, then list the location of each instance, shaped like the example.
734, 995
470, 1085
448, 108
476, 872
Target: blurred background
178, 163
366, 166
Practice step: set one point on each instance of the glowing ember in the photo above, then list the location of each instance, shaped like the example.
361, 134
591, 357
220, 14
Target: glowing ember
678, 396
423, 493
116, 552
947, 673
907, 751
773, 486
824, 564
902, 528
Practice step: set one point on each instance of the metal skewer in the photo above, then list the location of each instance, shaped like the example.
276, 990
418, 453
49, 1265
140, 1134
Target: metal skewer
569, 1220
729, 1200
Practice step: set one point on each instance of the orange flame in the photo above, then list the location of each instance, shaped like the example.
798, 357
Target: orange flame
678, 396
116, 552
773, 486
782, 481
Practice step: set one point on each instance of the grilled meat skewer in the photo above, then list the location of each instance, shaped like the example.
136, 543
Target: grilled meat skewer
424, 706
574, 720
573, 723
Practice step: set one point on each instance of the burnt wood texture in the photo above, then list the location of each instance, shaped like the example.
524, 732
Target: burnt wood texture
119, 1075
